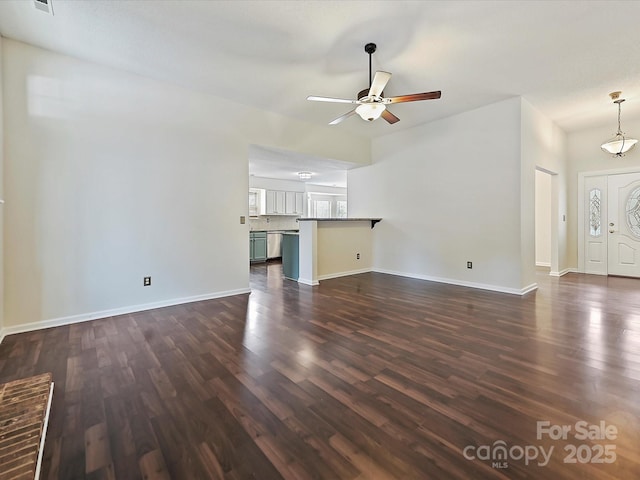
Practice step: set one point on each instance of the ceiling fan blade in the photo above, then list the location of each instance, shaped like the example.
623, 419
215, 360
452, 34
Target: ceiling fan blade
342, 117
314, 98
380, 80
414, 97
390, 117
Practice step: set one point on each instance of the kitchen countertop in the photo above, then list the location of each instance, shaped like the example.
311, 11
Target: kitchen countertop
358, 219
337, 219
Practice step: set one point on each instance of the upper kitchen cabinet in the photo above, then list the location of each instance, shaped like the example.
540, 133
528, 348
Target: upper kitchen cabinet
275, 202
294, 203
256, 202
299, 203
271, 203
290, 203
279, 202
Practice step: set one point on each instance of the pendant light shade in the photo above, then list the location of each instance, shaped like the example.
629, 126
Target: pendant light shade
619, 144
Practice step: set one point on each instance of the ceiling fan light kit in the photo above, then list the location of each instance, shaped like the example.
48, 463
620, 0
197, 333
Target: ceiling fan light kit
370, 111
619, 144
371, 105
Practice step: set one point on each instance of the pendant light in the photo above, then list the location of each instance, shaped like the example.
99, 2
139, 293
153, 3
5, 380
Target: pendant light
619, 144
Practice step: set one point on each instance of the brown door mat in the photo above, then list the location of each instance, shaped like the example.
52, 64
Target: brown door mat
24, 412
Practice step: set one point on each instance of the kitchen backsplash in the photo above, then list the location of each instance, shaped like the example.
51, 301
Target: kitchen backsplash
275, 222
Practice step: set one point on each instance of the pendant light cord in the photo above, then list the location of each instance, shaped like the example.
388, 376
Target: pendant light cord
619, 129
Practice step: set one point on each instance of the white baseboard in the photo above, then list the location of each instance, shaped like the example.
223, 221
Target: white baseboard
85, 317
344, 274
527, 289
461, 283
307, 281
543, 264
563, 272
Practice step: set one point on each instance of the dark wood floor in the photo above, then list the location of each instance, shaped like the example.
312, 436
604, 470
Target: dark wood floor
364, 377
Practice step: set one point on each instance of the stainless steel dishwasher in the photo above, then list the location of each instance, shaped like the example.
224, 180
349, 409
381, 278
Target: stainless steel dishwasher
274, 244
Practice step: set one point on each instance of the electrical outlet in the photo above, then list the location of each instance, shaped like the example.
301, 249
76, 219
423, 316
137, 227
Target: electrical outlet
469, 265
146, 281
357, 256
242, 220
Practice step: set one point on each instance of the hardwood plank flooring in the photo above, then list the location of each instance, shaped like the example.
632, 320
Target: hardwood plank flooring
364, 377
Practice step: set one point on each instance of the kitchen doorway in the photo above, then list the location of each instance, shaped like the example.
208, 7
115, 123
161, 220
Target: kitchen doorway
548, 221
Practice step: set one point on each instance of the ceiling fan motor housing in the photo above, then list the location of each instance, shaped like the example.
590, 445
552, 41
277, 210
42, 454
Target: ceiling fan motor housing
372, 103
362, 94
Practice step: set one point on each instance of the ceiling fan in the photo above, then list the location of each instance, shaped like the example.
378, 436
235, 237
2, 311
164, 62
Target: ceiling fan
370, 102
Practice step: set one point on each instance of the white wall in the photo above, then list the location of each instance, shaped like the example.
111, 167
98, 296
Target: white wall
276, 184
543, 219
311, 188
543, 147
462, 189
584, 155
448, 192
110, 177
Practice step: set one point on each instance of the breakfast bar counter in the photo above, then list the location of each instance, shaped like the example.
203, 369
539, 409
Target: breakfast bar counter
334, 247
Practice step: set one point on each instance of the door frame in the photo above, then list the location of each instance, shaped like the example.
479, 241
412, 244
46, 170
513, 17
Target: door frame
580, 233
554, 218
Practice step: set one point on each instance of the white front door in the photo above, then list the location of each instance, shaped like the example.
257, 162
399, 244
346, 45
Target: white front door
623, 225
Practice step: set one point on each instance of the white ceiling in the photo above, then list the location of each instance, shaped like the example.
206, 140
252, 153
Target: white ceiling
280, 164
564, 57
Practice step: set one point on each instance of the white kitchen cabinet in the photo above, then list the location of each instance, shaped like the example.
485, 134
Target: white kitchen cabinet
271, 202
279, 202
275, 202
299, 208
290, 203
256, 202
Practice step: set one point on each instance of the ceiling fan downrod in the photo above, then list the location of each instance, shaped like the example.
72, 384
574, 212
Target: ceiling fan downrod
370, 48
